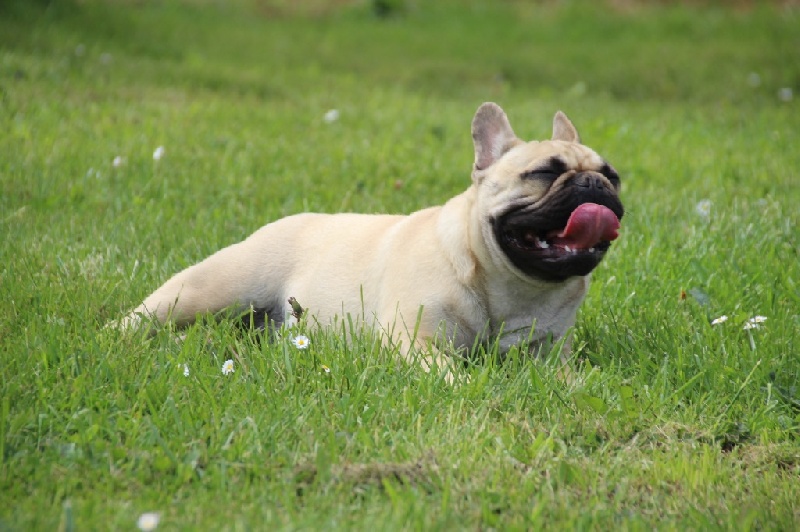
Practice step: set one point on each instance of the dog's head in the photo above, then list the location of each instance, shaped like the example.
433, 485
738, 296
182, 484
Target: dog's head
551, 208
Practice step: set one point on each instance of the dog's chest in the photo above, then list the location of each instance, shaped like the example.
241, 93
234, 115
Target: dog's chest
530, 315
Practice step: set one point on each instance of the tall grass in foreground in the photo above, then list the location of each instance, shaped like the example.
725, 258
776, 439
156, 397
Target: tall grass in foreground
672, 421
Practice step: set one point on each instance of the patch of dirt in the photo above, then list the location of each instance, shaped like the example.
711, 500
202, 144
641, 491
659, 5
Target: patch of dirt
421, 473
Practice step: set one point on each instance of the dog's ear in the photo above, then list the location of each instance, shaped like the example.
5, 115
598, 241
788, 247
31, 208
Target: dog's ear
563, 129
492, 135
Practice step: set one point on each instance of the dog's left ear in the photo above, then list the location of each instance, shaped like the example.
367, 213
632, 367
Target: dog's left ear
492, 135
563, 129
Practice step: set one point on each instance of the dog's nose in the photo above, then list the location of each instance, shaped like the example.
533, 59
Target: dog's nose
590, 180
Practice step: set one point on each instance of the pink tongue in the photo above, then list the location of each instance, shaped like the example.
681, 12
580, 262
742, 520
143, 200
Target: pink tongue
588, 225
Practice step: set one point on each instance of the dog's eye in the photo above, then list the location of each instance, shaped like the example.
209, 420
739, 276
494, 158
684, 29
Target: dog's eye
544, 175
611, 175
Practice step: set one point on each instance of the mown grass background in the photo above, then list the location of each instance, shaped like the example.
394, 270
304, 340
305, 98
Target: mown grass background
673, 423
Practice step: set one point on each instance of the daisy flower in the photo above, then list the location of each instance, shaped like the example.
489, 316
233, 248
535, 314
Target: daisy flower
301, 342
703, 208
148, 521
186, 370
331, 116
721, 319
117, 162
227, 367
159, 153
325, 368
754, 322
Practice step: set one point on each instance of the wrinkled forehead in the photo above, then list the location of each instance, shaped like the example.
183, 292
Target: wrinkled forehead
575, 156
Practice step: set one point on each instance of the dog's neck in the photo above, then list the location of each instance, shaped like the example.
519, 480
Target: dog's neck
458, 238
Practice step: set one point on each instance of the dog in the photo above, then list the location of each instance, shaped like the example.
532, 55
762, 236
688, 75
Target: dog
508, 260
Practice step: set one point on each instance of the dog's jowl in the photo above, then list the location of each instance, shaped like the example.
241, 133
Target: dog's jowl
513, 251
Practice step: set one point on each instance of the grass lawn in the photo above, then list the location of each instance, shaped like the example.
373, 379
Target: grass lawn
672, 423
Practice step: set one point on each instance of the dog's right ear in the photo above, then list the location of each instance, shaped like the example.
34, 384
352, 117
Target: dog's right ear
492, 135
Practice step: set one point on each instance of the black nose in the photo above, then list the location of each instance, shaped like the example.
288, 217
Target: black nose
590, 180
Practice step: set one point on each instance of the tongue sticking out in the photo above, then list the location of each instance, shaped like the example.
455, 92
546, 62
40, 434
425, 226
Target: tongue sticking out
588, 225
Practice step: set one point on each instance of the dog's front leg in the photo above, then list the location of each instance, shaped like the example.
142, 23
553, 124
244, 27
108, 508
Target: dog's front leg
422, 352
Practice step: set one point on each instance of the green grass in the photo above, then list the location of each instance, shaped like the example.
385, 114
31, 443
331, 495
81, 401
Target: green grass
672, 424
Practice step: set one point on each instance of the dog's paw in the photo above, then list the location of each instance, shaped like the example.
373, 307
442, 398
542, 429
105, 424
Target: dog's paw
131, 322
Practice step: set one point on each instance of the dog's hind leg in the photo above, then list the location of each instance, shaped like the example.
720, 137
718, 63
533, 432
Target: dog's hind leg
231, 278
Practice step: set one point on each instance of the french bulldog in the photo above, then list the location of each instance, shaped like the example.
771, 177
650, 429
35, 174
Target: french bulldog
508, 260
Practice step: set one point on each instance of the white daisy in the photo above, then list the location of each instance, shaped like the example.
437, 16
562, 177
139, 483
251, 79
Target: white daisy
117, 162
227, 367
158, 153
301, 342
325, 368
186, 370
148, 521
703, 208
754, 322
331, 116
721, 319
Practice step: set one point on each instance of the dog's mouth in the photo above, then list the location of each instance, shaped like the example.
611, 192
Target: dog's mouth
574, 248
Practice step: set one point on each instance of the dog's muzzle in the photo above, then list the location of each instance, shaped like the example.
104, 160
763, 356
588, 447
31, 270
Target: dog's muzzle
566, 236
